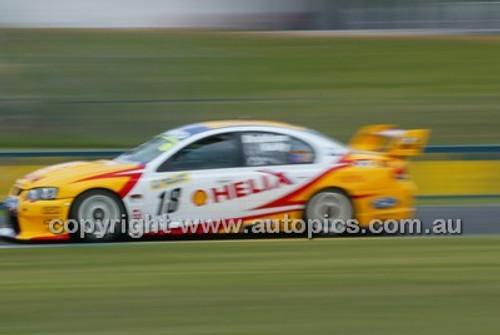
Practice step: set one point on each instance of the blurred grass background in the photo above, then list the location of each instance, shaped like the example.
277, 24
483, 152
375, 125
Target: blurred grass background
98, 88
343, 286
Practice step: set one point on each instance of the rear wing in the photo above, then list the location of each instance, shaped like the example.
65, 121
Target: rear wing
390, 140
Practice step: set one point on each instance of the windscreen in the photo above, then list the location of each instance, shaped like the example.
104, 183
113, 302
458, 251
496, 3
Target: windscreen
148, 151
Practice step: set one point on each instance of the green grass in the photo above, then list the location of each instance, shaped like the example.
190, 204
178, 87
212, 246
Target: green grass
74, 88
342, 286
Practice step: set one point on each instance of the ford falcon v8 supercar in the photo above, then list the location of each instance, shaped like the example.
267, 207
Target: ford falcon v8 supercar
245, 170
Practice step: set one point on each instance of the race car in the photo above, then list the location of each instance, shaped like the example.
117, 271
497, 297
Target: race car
224, 170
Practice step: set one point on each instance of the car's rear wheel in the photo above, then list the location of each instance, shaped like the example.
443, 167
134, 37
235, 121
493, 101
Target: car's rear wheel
99, 214
328, 212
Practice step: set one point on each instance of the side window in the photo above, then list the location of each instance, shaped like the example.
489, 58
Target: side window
262, 148
301, 153
214, 152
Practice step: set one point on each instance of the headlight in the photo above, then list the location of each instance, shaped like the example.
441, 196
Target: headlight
42, 193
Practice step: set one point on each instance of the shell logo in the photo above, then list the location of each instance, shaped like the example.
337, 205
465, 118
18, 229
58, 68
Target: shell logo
200, 197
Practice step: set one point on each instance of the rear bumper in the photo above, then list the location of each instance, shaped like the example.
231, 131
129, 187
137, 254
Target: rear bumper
402, 195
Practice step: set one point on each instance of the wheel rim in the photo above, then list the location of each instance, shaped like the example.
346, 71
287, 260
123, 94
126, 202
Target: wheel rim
98, 208
330, 206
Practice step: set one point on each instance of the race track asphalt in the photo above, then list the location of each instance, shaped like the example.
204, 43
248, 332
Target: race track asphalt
475, 220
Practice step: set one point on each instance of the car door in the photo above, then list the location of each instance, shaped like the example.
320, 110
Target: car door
192, 185
277, 164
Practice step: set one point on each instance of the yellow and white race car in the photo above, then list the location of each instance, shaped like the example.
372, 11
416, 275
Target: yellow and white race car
226, 170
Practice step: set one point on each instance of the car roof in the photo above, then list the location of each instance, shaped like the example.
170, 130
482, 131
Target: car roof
198, 128
248, 123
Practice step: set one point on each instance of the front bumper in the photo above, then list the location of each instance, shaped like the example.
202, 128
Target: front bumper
30, 221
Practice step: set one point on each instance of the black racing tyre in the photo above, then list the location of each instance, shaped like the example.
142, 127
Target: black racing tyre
327, 212
94, 209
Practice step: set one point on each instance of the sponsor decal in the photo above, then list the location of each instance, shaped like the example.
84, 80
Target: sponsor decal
263, 138
169, 201
383, 203
136, 213
268, 142
51, 210
168, 181
200, 197
267, 182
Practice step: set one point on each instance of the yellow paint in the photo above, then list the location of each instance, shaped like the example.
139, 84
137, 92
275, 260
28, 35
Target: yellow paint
200, 198
456, 177
35, 222
390, 140
76, 177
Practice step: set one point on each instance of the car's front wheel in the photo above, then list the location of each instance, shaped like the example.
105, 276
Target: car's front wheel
100, 216
328, 212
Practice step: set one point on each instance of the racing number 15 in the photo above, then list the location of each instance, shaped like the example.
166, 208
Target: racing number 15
169, 203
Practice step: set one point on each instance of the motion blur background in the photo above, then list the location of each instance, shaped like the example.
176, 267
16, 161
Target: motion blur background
111, 74
256, 14
94, 87
147, 66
